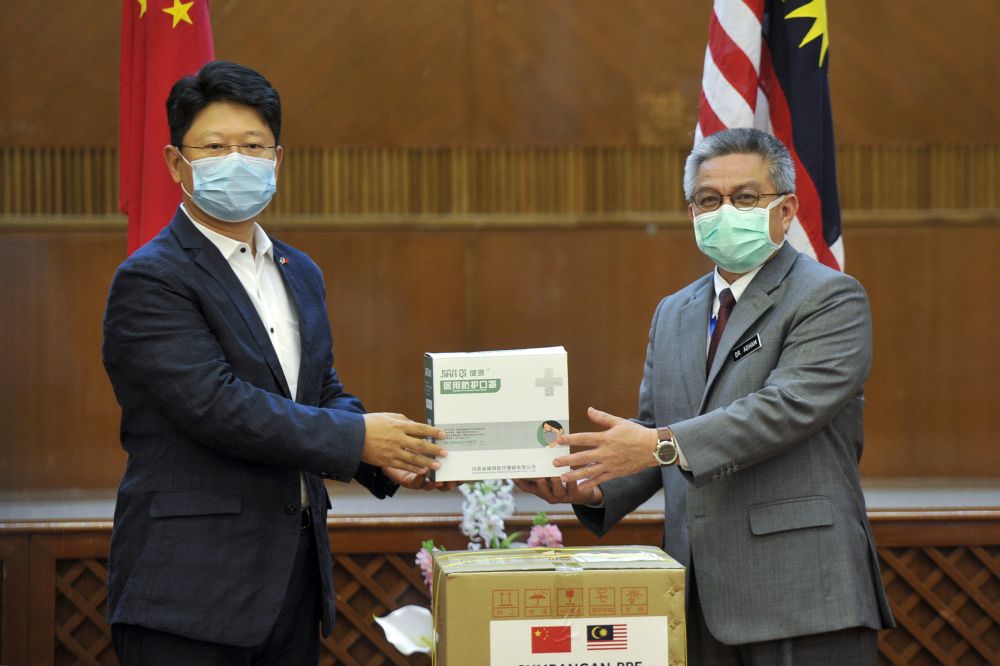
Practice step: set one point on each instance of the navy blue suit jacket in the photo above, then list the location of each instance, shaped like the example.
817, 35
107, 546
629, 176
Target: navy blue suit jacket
207, 519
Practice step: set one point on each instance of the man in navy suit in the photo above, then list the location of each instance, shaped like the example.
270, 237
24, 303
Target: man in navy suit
218, 346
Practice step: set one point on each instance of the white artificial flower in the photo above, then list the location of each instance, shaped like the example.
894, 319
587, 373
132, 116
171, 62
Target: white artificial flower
409, 628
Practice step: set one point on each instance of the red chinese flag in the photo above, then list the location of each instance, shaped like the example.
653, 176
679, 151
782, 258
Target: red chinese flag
162, 40
550, 639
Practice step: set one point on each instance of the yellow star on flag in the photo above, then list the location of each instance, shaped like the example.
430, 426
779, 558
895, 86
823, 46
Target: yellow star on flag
814, 9
142, 8
179, 12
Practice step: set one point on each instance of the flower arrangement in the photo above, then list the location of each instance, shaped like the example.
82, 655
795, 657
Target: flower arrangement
485, 507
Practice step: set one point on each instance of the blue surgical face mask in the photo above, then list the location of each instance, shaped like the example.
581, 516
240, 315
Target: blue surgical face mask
737, 241
233, 188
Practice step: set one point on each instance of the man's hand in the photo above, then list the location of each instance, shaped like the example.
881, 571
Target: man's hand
417, 481
554, 491
624, 448
392, 440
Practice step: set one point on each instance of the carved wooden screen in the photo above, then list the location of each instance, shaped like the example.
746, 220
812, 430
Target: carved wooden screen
947, 605
941, 570
81, 634
371, 584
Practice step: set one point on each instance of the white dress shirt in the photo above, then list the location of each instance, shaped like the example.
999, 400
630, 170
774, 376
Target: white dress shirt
260, 276
737, 288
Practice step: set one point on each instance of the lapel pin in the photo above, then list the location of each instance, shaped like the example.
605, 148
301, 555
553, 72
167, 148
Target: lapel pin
282, 261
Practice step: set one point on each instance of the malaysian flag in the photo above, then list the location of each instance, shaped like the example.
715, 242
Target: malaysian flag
607, 636
766, 67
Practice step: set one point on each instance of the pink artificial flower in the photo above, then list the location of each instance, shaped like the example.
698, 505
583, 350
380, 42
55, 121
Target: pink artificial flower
426, 564
545, 536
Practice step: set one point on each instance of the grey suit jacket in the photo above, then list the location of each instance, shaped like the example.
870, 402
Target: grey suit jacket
771, 516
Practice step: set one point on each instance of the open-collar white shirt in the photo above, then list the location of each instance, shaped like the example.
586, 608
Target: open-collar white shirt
261, 278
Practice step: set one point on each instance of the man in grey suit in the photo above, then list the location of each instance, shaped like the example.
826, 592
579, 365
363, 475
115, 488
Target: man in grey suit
750, 419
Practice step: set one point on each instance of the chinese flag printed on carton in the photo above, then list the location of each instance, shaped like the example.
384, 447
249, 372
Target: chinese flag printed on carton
551, 639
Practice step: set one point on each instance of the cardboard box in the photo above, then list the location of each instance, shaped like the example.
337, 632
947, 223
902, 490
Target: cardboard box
501, 410
614, 606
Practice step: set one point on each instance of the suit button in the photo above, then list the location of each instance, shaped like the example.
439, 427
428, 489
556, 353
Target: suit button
291, 508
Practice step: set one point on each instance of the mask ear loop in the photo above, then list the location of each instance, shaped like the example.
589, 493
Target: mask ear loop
181, 155
775, 204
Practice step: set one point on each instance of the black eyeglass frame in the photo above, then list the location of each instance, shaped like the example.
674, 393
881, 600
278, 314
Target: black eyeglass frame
723, 197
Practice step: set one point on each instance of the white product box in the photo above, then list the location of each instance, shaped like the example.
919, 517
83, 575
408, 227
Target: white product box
501, 411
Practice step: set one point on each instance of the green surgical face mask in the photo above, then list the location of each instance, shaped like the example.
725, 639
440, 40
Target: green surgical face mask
737, 241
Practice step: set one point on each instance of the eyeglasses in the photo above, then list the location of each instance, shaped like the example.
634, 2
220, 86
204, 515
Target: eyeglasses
709, 200
248, 149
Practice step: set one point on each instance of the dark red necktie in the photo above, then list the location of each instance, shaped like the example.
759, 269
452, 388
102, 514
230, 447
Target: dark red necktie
726, 303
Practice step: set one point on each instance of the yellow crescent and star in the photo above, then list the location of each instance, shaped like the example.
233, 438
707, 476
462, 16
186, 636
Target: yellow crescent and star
599, 632
816, 10
178, 11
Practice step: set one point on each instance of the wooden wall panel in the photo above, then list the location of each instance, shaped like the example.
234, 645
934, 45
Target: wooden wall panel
396, 292
475, 72
58, 415
360, 71
554, 71
936, 359
59, 74
896, 66
391, 297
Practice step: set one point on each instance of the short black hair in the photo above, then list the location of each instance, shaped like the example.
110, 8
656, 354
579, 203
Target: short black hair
221, 81
554, 424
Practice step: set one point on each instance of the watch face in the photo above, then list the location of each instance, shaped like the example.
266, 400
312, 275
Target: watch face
666, 452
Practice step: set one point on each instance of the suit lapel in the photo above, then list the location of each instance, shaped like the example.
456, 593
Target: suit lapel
756, 300
750, 307
290, 273
693, 334
206, 255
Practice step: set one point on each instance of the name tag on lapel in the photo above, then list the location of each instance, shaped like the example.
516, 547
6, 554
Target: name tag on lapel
747, 347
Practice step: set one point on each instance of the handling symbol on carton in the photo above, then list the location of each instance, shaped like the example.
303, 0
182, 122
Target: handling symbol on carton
537, 603
505, 603
568, 602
